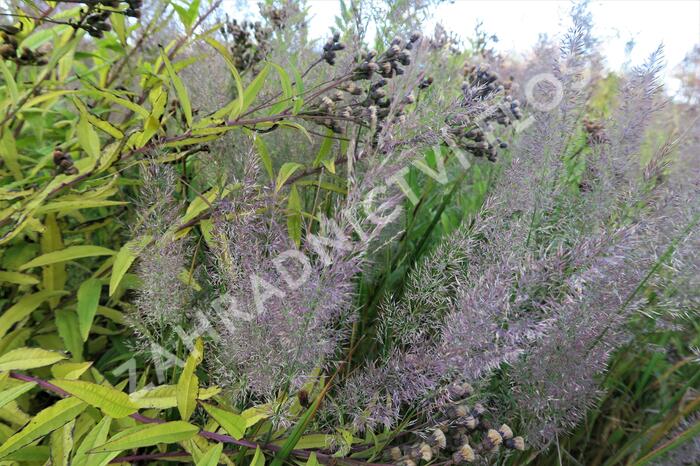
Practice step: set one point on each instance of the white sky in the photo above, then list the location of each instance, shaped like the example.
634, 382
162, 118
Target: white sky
518, 23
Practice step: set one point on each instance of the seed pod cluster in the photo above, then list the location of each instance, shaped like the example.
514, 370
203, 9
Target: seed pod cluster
95, 22
353, 100
331, 46
63, 162
462, 435
12, 51
250, 42
484, 85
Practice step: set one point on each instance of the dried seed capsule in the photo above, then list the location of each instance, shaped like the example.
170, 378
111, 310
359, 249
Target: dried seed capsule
493, 439
426, 452
464, 454
395, 453
506, 432
516, 443
438, 439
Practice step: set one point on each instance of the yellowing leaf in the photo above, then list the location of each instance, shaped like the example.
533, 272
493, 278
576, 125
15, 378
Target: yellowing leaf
88, 300
285, 172
188, 383
112, 402
87, 137
68, 254
125, 257
233, 424
28, 358
43, 423
150, 434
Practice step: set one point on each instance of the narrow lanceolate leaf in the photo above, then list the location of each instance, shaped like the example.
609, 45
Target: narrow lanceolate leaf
312, 461
14, 392
179, 89
188, 383
28, 358
211, 457
69, 370
149, 435
258, 458
285, 172
294, 215
96, 436
125, 257
87, 137
164, 396
43, 423
18, 278
61, 444
112, 402
88, 300
23, 308
252, 91
68, 254
233, 424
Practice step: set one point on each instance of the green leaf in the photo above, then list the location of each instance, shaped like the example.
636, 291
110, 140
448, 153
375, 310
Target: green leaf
28, 358
211, 457
14, 392
8, 152
18, 278
296, 433
87, 137
67, 326
44, 422
61, 443
252, 91
312, 461
96, 436
23, 308
69, 370
287, 91
9, 81
233, 424
88, 300
149, 435
188, 383
112, 402
324, 151
125, 257
264, 155
294, 215
179, 89
238, 106
68, 254
258, 458
164, 396
285, 172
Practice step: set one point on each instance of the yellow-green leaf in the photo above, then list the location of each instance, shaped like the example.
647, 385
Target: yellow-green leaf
312, 461
14, 392
238, 105
149, 435
61, 444
28, 358
23, 308
88, 300
211, 457
68, 254
264, 155
96, 436
8, 152
258, 458
285, 172
188, 383
18, 278
87, 137
44, 422
164, 396
112, 402
125, 257
233, 424
294, 215
252, 91
69, 370
179, 89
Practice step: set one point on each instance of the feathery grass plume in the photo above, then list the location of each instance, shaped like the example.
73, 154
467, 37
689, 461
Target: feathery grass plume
162, 296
